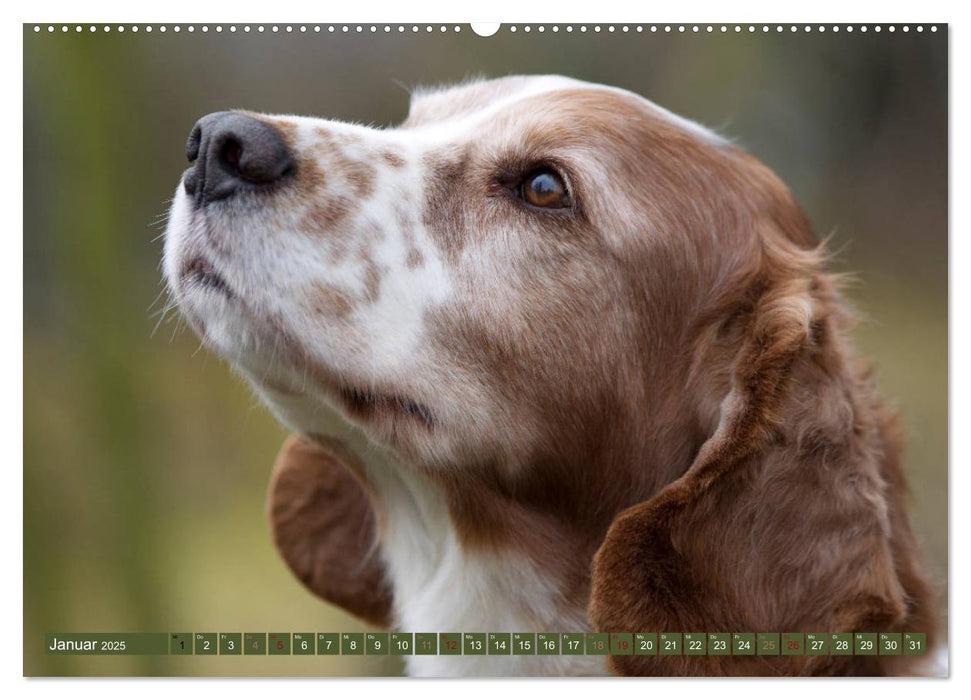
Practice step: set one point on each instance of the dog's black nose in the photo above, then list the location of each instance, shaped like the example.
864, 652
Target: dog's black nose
230, 151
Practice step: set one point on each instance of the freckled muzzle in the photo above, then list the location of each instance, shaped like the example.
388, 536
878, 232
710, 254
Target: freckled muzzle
230, 152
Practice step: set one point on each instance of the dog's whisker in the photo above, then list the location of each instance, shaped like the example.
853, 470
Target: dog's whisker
159, 296
162, 316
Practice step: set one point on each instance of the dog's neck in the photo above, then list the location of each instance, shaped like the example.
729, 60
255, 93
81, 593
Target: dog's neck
467, 551
444, 581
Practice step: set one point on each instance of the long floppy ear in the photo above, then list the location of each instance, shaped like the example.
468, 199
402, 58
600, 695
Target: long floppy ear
324, 526
784, 522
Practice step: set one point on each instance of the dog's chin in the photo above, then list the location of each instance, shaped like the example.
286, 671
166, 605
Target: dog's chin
211, 306
305, 396
391, 421
371, 409
295, 386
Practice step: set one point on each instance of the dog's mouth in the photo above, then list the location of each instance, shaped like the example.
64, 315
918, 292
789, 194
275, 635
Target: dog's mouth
371, 405
199, 272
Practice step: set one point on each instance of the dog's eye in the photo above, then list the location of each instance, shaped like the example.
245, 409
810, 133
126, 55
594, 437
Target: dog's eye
544, 188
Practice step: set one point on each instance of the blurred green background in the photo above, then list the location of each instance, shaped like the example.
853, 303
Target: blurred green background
146, 461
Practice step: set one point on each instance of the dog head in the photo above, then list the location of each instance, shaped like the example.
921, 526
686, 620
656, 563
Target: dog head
519, 259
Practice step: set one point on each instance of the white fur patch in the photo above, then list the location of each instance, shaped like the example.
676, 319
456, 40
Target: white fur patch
438, 587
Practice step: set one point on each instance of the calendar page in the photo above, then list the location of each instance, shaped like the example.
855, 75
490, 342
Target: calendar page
506, 350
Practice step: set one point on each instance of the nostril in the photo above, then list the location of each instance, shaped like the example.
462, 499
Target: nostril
253, 153
231, 153
192, 145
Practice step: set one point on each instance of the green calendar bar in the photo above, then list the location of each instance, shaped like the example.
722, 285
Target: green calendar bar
352, 644
645, 644
670, 643
474, 644
402, 643
572, 643
915, 643
523, 644
107, 644
278, 644
817, 644
376, 644
598, 643
328, 643
426, 643
500, 644
865, 644
719, 644
743, 644
303, 643
180, 643
891, 643
230, 643
768, 643
685, 644
793, 644
695, 644
254, 643
547, 644
621, 644
450, 643
205, 643
841, 644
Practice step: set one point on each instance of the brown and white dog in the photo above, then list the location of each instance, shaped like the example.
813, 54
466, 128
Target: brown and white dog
602, 369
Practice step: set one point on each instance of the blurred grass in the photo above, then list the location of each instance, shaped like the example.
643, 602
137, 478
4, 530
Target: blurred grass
146, 462
168, 536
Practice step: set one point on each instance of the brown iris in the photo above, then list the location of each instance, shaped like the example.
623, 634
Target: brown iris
544, 188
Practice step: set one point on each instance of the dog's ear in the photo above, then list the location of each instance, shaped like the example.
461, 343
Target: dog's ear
782, 521
325, 527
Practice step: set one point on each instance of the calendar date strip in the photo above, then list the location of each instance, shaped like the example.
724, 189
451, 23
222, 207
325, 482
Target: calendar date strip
488, 643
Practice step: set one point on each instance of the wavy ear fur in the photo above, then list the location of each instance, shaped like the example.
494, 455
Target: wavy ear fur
790, 518
324, 526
